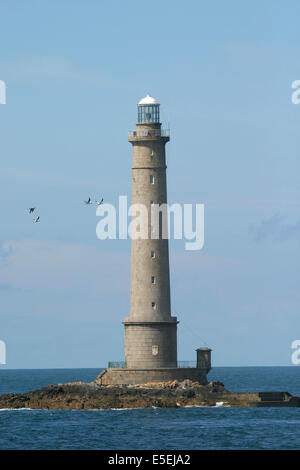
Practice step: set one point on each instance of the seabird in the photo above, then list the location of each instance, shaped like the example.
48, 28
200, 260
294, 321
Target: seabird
99, 202
88, 201
31, 209
36, 220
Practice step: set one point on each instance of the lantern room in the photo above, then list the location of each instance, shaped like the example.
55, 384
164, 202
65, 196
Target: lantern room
148, 110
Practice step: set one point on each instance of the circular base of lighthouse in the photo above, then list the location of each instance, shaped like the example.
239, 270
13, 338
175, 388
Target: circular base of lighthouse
124, 376
151, 345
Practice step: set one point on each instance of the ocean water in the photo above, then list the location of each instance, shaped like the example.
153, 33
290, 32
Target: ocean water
183, 428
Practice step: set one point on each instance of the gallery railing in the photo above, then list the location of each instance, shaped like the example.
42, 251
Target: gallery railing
186, 364
180, 364
116, 365
149, 133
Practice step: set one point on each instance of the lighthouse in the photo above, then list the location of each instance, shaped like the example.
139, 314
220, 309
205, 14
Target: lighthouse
150, 329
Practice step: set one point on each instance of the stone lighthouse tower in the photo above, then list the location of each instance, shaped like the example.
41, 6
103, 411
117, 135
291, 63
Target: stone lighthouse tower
150, 329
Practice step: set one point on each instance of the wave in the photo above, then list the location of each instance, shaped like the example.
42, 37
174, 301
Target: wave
195, 406
105, 409
20, 409
217, 405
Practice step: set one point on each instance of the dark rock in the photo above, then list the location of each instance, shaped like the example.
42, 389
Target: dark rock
79, 395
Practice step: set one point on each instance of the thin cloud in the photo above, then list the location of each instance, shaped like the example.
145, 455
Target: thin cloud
274, 228
39, 67
29, 175
57, 266
47, 68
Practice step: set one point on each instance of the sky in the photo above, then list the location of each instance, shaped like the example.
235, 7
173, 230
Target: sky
222, 71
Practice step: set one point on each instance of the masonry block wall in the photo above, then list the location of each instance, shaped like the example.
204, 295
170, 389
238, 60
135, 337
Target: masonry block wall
150, 330
142, 376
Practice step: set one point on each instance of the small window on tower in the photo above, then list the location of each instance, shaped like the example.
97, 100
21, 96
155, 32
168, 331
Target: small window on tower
153, 305
152, 280
151, 179
152, 254
151, 203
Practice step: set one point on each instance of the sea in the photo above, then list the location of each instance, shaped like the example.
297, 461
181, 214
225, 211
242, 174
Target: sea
138, 429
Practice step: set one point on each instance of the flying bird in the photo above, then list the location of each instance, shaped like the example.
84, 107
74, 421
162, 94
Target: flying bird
99, 202
31, 209
88, 201
36, 220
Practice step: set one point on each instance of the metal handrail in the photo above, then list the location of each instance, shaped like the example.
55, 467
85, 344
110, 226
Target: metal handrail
180, 365
186, 364
149, 133
116, 365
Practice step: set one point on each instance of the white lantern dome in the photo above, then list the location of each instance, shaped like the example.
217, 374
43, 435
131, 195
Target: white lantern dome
148, 100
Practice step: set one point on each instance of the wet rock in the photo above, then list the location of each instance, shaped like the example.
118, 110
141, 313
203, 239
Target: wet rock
80, 395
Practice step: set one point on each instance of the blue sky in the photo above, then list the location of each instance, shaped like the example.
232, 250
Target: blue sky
74, 71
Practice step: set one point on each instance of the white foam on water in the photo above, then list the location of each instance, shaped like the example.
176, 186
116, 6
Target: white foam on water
123, 409
217, 405
195, 406
222, 404
107, 409
20, 409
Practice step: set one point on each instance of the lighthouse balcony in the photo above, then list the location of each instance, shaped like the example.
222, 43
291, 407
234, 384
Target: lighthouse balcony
180, 365
149, 134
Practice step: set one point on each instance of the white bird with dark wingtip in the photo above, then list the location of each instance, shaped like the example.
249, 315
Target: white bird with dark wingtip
31, 210
35, 221
99, 202
88, 201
